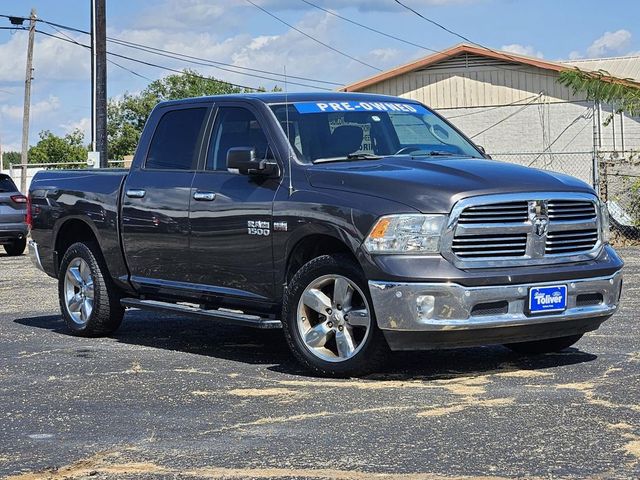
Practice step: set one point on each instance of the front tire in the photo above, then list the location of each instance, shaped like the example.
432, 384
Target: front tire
89, 301
550, 345
16, 248
328, 319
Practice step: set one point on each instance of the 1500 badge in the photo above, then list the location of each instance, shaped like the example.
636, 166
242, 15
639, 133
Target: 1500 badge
258, 227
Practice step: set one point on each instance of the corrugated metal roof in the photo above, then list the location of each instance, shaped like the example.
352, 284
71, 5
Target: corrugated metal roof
621, 67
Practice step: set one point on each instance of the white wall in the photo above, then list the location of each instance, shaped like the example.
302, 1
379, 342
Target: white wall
16, 175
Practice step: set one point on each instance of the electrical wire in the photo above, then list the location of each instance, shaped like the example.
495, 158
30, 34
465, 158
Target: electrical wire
311, 37
137, 60
198, 60
371, 29
108, 59
448, 30
507, 117
169, 68
485, 110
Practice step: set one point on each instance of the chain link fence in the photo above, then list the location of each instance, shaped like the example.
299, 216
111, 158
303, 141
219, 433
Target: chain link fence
617, 180
619, 186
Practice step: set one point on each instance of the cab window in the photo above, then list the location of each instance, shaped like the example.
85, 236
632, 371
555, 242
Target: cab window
176, 140
235, 127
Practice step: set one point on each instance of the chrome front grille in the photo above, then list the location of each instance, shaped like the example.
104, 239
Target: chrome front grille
517, 229
571, 210
508, 212
571, 241
483, 246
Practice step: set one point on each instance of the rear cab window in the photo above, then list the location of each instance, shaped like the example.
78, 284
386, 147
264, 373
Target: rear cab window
175, 142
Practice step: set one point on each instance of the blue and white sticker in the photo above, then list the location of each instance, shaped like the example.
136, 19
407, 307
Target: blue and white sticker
351, 106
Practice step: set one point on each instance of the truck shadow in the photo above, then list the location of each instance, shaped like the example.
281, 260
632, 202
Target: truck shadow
268, 347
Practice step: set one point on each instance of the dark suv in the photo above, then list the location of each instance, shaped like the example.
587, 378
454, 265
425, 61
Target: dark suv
13, 211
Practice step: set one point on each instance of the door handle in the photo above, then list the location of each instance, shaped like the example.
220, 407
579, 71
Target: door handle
204, 196
136, 193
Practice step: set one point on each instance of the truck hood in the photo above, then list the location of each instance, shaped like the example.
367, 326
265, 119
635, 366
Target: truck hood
434, 185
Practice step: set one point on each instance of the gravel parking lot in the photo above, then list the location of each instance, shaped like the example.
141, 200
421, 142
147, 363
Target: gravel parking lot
170, 397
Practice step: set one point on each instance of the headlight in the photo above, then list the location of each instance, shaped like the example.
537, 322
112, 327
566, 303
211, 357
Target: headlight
604, 222
406, 234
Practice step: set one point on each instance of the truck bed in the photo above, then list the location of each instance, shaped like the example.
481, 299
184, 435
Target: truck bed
89, 195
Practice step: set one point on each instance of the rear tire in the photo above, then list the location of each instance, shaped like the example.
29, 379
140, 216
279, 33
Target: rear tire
89, 300
550, 345
16, 248
332, 331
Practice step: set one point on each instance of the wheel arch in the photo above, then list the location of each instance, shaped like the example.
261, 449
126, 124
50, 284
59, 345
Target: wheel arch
313, 245
70, 231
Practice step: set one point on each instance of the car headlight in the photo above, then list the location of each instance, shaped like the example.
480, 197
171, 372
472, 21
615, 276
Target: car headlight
604, 222
409, 233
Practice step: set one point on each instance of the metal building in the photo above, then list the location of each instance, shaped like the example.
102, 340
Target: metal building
514, 106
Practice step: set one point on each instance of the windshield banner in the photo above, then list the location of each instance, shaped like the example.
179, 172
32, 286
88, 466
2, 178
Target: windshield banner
351, 106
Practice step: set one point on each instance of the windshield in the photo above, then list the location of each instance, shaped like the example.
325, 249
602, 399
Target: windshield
338, 131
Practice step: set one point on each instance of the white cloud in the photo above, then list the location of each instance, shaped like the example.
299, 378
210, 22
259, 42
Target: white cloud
518, 49
38, 109
84, 125
610, 43
575, 55
53, 59
301, 55
382, 56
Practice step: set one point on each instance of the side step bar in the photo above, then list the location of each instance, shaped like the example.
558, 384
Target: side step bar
224, 316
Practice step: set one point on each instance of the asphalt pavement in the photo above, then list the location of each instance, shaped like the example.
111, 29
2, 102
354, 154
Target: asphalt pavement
168, 397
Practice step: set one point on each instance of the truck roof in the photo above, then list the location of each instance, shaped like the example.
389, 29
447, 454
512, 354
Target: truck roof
281, 97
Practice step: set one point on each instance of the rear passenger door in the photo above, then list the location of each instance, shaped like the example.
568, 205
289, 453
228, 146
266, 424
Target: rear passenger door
231, 224
157, 194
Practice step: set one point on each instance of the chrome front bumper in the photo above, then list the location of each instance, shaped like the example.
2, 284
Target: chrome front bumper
450, 306
35, 255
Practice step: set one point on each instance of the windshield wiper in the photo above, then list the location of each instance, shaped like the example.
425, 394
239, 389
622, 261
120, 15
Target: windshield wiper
439, 153
351, 156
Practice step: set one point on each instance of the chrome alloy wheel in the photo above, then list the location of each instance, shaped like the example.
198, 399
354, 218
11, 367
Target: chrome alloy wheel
334, 318
78, 291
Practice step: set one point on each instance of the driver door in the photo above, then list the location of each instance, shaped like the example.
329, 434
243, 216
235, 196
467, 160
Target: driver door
231, 214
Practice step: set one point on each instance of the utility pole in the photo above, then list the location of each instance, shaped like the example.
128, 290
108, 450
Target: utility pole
27, 102
99, 80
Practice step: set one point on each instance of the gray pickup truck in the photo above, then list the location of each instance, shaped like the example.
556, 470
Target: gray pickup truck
13, 221
357, 223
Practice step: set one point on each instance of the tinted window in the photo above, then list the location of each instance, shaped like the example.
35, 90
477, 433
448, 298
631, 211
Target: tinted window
7, 185
235, 127
175, 142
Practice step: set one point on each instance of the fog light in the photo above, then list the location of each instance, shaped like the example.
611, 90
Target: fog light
426, 305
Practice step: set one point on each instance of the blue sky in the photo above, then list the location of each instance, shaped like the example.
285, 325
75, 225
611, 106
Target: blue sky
236, 32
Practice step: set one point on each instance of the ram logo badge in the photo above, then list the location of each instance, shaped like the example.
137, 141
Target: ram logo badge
258, 227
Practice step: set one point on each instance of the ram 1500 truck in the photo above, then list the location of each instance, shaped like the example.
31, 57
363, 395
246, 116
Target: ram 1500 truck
358, 223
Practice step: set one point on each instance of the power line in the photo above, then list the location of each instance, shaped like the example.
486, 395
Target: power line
485, 110
152, 64
199, 60
326, 45
210, 64
448, 30
507, 117
68, 40
108, 60
371, 29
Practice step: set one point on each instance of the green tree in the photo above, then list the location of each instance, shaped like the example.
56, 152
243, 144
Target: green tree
127, 115
54, 149
10, 158
600, 86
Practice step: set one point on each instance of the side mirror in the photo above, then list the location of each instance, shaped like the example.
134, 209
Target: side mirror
243, 160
